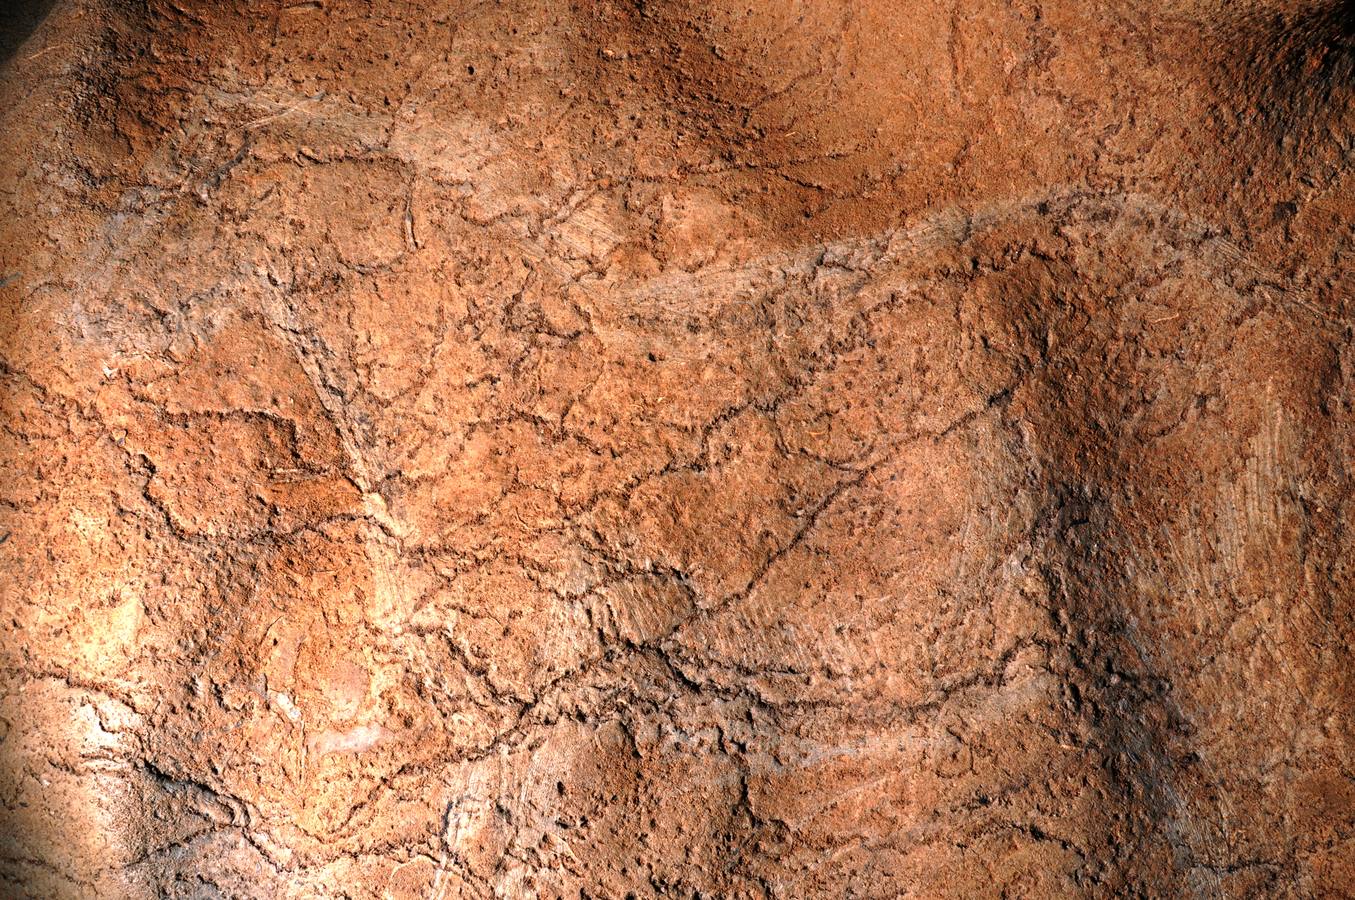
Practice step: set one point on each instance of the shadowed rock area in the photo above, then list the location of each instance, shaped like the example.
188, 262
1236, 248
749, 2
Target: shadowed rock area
669, 449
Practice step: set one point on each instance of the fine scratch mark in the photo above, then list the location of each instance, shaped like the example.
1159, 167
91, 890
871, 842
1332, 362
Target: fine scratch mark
318, 95
45, 50
410, 237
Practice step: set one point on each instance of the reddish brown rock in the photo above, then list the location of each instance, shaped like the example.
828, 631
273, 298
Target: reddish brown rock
677, 449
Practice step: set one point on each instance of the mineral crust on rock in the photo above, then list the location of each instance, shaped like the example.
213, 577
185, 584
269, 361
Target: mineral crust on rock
756, 449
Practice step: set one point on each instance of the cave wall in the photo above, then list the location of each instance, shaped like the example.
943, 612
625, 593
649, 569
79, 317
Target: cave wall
742, 450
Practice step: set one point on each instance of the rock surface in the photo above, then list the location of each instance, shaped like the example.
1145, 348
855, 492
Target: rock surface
609, 449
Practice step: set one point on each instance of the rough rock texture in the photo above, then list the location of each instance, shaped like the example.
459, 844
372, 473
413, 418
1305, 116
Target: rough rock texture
693, 449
